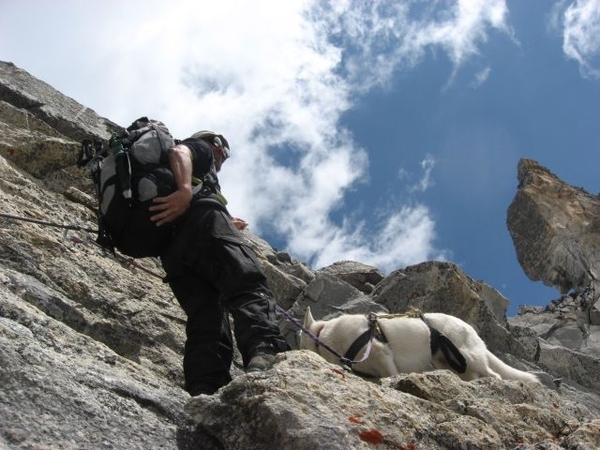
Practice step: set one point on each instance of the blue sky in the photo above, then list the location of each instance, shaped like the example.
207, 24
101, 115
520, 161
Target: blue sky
387, 132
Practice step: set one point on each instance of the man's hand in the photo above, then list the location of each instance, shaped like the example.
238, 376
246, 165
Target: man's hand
170, 207
240, 224
174, 205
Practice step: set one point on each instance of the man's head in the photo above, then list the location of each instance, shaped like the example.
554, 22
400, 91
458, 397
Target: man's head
218, 145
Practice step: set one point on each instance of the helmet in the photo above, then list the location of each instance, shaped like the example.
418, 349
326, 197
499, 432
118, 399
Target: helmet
218, 140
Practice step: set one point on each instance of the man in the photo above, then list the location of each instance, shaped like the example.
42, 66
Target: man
212, 271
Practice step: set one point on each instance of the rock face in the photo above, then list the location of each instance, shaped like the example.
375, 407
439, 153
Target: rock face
91, 344
556, 229
569, 329
430, 411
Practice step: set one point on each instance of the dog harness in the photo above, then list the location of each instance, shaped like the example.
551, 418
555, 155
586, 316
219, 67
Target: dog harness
437, 341
373, 332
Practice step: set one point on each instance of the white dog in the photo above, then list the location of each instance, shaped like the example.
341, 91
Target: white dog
407, 344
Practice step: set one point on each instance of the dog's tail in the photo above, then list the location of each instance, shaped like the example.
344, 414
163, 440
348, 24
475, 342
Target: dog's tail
507, 372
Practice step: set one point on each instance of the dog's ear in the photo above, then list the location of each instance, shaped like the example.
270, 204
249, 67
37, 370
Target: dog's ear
308, 318
313, 328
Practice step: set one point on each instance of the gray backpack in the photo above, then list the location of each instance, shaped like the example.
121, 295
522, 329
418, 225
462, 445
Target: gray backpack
128, 175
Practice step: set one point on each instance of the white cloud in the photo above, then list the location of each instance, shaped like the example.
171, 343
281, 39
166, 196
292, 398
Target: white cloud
481, 77
581, 35
404, 238
275, 78
395, 35
425, 181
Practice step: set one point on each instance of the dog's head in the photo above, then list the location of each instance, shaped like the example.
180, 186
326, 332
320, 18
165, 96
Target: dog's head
314, 327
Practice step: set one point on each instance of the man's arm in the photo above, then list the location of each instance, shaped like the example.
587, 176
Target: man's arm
174, 205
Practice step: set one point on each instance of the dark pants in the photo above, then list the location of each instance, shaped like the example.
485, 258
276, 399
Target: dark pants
212, 273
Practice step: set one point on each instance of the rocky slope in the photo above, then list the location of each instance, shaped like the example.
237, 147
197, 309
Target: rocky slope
91, 344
